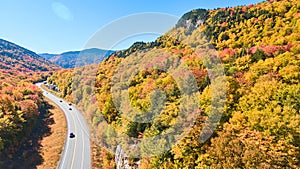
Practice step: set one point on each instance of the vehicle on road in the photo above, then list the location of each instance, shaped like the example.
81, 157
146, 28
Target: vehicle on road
72, 135
79, 157
70, 104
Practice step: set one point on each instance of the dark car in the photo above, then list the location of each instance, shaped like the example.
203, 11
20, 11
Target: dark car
70, 104
72, 135
60, 101
70, 108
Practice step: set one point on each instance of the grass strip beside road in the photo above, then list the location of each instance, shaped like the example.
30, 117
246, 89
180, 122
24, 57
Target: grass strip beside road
52, 144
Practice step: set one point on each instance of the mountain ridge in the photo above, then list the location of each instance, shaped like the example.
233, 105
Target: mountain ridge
15, 57
71, 59
259, 50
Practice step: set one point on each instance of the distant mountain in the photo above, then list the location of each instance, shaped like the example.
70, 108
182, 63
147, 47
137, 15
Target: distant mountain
14, 57
47, 56
78, 58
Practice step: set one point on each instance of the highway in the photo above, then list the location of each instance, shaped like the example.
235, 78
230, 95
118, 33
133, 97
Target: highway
76, 151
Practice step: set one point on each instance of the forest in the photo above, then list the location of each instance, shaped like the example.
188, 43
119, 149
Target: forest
22, 105
255, 49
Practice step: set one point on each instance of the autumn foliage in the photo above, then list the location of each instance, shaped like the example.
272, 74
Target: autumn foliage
21, 101
260, 51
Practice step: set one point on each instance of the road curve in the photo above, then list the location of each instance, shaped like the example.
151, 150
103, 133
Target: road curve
76, 151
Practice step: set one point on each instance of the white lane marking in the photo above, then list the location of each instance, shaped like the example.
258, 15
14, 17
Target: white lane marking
83, 131
65, 152
82, 156
82, 126
67, 143
82, 138
65, 109
74, 150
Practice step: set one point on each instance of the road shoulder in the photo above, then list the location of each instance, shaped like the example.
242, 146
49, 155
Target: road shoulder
52, 144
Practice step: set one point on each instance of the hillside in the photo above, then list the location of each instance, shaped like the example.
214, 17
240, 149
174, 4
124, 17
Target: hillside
23, 111
256, 49
78, 58
14, 57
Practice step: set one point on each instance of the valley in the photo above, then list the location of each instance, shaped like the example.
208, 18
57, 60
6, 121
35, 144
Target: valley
220, 89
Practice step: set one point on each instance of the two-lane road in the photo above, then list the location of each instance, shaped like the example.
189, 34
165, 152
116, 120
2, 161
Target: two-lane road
76, 151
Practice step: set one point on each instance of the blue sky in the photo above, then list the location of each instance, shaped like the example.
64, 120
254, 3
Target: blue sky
46, 26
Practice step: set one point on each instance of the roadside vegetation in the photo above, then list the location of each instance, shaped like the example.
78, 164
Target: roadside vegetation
259, 46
